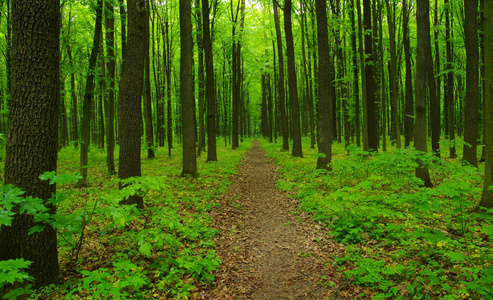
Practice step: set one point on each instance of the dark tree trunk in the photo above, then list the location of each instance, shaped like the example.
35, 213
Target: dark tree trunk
110, 76
131, 87
324, 106
210, 86
200, 77
487, 197
432, 92
280, 84
307, 76
394, 91
293, 87
32, 141
471, 105
409, 105
186, 90
362, 62
371, 104
73, 93
449, 83
149, 129
420, 143
88, 97
355, 68
169, 114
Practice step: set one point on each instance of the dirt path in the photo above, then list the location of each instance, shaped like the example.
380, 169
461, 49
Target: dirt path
269, 249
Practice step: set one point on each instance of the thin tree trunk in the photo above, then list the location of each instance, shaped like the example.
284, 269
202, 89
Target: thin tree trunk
280, 84
149, 129
293, 88
471, 105
324, 107
186, 90
420, 143
409, 107
110, 76
88, 97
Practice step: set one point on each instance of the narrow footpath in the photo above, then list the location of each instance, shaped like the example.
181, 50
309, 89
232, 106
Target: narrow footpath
269, 249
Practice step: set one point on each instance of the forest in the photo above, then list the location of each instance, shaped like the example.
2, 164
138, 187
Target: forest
246, 149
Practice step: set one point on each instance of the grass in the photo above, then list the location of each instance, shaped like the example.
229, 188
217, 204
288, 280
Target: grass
108, 251
402, 240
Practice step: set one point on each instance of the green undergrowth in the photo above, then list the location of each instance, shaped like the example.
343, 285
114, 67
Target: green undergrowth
402, 241
109, 251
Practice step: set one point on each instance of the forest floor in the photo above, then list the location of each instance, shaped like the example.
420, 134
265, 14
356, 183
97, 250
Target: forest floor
270, 249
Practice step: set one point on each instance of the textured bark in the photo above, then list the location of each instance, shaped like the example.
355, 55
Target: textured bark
487, 197
110, 77
293, 87
88, 97
131, 87
200, 77
186, 91
32, 141
434, 104
471, 104
449, 83
420, 143
210, 86
371, 104
355, 68
73, 93
307, 76
394, 90
324, 107
409, 105
363, 75
149, 129
280, 81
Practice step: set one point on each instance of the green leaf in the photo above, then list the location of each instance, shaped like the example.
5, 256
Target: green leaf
145, 249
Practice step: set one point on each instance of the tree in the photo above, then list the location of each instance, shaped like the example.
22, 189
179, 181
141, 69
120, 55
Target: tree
420, 126
32, 141
293, 88
409, 107
209, 88
149, 129
280, 80
131, 86
449, 83
487, 196
109, 104
324, 106
88, 97
471, 105
186, 90
371, 101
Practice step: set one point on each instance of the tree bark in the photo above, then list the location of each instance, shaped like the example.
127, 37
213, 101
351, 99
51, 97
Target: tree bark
280, 82
131, 87
186, 90
110, 76
471, 105
149, 129
32, 141
293, 87
420, 143
409, 105
449, 83
324, 105
371, 109
394, 91
88, 97
210, 85
487, 196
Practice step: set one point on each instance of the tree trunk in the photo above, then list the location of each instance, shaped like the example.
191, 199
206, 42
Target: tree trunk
32, 141
186, 90
280, 84
487, 197
131, 87
324, 106
149, 129
449, 83
210, 86
432, 92
110, 76
471, 105
420, 143
88, 98
371, 109
409, 105
356, 104
394, 91
293, 87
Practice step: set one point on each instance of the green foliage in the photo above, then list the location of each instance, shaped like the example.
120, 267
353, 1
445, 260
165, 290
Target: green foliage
403, 240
